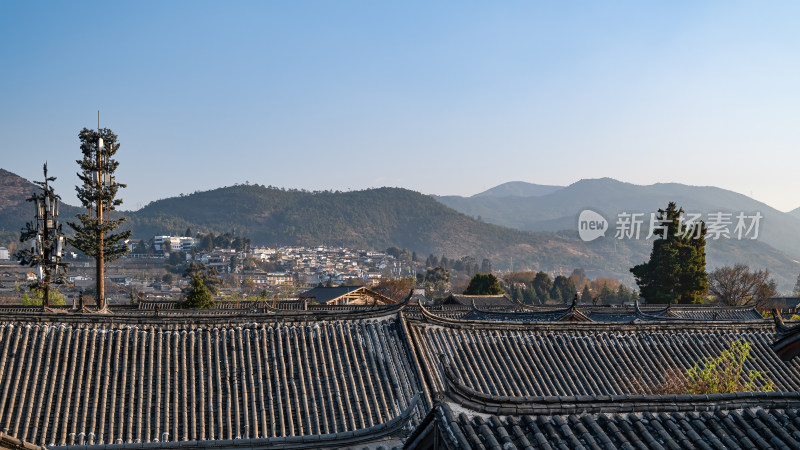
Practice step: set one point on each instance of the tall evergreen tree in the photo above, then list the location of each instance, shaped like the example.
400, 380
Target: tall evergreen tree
606, 294
586, 296
438, 280
98, 194
484, 284
563, 289
542, 285
676, 271
198, 295
797, 287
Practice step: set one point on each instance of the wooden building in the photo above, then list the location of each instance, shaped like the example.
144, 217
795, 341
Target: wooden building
345, 295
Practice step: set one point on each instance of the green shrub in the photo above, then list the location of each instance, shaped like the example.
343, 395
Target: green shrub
726, 373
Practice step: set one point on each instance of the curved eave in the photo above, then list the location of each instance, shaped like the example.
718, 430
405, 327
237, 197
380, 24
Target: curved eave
332, 440
505, 405
787, 339
522, 316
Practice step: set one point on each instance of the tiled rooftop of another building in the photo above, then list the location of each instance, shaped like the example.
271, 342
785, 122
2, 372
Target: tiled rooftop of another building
69, 379
502, 301
558, 358
465, 418
10, 442
364, 377
754, 427
634, 313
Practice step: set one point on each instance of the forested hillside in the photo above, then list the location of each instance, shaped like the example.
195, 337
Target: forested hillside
381, 218
374, 218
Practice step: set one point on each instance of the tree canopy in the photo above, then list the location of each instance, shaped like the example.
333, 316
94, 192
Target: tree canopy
198, 296
484, 284
797, 287
739, 286
676, 271
207, 274
94, 231
93, 190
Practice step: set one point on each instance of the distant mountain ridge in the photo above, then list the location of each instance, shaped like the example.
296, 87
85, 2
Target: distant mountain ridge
384, 217
559, 210
14, 210
518, 189
373, 218
795, 212
369, 219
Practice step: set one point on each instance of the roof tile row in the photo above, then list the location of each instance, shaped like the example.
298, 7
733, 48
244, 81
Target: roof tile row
96, 383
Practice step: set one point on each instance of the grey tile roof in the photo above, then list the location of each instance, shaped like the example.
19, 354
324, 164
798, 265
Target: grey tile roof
348, 376
733, 429
787, 339
446, 311
714, 312
480, 300
112, 380
570, 313
11, 442
520, 313
465, 418
583, 358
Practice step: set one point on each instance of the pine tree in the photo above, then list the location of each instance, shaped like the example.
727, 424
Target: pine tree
98, 194
542, 284
566, 289
797, 287
586, 296
198, 297
518, 295
606, 295
676, 271
484, 284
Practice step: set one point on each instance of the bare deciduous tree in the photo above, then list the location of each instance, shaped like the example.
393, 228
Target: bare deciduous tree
739, 286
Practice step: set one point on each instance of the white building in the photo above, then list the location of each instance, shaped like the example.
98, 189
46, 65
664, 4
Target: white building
176, 243
3, 254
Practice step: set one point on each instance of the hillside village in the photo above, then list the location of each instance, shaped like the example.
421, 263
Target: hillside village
281, 272
292, 268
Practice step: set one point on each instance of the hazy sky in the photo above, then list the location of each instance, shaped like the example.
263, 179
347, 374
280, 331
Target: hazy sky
439, 97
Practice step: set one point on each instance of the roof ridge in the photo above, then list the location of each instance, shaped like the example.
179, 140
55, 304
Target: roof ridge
195, 317
570, 404
672, 323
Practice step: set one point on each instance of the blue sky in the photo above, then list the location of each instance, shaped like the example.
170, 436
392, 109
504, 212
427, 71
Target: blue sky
439, 97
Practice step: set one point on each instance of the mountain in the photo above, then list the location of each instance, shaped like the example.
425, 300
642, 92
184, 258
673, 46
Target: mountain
380, 218
14, 210
559, 210
374, 218
795, 212
518, 189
